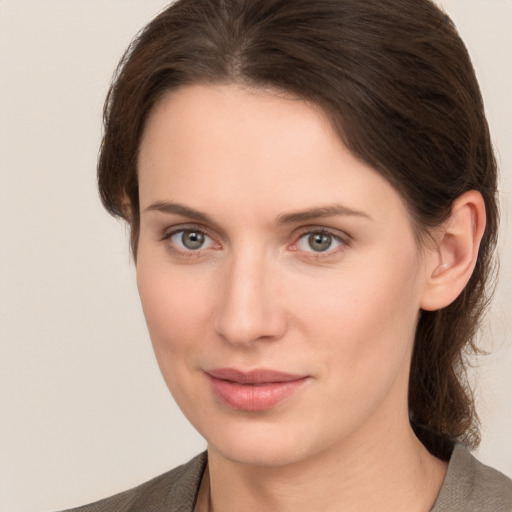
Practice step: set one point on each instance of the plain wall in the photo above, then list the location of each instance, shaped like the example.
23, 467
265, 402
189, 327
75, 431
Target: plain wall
84, 412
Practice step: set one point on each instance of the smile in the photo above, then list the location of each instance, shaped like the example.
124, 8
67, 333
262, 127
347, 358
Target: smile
257, 390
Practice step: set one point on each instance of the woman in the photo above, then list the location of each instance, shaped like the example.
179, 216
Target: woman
311, 193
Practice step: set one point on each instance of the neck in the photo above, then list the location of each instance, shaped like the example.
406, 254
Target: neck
394, 472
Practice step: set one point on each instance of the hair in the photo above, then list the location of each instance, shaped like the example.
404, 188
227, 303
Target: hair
396, 82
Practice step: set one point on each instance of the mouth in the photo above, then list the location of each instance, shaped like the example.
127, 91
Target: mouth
255, 390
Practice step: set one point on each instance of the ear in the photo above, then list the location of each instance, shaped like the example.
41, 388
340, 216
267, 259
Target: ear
452, 258
127, 208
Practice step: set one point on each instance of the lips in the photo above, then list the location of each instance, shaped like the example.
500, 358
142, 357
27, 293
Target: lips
255, 390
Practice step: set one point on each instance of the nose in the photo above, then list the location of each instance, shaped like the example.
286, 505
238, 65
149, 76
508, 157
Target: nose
250, 307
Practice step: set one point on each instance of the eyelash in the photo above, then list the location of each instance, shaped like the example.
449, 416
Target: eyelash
185, 254
344, 242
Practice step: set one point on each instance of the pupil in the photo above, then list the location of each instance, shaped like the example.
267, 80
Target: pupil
320, 241
192, 239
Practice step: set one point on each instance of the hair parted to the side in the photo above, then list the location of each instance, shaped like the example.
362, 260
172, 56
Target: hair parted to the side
395, 80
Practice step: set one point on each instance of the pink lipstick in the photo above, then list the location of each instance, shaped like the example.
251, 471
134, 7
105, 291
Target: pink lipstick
256, 390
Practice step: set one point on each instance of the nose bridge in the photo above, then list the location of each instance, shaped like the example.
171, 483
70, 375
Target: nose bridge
248, 310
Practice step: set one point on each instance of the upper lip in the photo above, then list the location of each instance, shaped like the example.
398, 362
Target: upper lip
257, 376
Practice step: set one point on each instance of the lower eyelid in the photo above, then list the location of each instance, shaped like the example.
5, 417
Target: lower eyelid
341, 241
166, 237
183, 252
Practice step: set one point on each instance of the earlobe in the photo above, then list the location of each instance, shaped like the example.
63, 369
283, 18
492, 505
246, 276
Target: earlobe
453, 258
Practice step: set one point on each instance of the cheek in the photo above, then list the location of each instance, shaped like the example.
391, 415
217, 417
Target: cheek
176, 306
362, 318
175, 303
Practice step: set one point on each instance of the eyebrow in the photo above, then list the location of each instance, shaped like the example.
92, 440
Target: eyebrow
319, 212
179, 209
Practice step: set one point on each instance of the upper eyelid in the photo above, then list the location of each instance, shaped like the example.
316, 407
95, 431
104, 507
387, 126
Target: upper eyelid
321, 229
169, 233
343, 237
304, 230
172, 230
344, 242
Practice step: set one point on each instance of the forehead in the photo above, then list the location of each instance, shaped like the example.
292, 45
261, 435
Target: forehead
213, 117
224, 146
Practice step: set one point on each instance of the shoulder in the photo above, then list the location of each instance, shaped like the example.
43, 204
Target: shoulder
470, 486
174, 491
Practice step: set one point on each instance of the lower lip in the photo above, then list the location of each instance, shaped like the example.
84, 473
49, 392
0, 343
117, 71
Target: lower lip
254, 397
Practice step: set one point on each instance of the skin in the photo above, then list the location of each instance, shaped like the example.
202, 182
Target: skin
256, 294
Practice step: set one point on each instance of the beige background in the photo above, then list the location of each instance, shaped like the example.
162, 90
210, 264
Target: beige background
83, 410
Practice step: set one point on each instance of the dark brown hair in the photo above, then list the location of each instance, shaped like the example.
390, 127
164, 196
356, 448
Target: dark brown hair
396, 81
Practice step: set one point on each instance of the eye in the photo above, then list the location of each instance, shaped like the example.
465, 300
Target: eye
190, 240
319, 241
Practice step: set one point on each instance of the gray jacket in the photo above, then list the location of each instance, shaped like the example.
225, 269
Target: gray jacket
469, 486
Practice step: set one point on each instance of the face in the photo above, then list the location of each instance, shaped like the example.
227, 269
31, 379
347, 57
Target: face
279, 276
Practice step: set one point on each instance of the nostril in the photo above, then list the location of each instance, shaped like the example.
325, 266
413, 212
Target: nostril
241, 326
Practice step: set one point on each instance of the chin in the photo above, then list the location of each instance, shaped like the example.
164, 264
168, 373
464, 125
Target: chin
257, 455
262, 445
